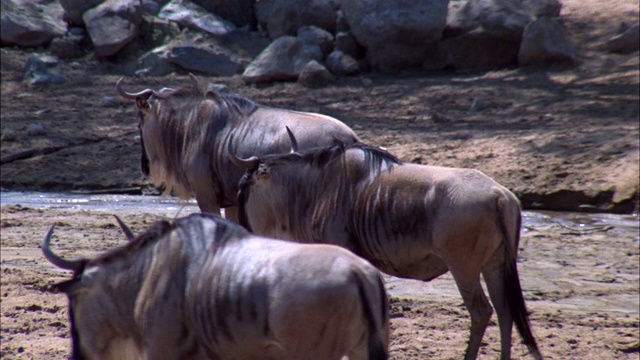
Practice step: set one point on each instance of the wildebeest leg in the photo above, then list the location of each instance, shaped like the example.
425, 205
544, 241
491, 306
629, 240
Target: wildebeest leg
479, 308
208, 203
493, 274
231, 214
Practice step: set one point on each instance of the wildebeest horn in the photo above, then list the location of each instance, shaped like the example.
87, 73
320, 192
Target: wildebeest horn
248, 164
125, 229
143, 94
194, 79
56, 260
294, 142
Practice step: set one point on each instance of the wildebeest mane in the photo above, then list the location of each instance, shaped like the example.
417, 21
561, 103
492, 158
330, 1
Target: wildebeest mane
375, 157
233, 101
224, 231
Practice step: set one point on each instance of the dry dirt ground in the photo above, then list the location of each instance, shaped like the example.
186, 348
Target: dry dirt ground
562, 138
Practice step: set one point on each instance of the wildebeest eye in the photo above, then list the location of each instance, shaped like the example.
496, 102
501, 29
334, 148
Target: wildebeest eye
142, 103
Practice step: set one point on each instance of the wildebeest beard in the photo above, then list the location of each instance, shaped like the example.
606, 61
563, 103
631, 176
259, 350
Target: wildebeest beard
144, 159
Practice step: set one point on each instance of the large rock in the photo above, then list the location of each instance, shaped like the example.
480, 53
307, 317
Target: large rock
315, 36
503, 18
479, 49
396, 33
194, 17
348, 44
158, 32
29, 23
239, 12
74, 9
540, 8
342, 64
67, 47
285, 17
283, 60
626, 41
205, 60
544, 41
154, 63
314, 75
113, 24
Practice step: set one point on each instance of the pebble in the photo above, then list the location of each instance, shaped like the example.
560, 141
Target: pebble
35, 130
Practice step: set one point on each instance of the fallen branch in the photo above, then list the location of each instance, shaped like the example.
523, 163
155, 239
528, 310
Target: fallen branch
30, 153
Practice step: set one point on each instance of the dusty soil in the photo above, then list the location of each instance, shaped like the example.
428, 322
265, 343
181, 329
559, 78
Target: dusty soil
560, 138
581, 285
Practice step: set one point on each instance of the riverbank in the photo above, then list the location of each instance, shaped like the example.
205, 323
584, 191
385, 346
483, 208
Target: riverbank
560, 138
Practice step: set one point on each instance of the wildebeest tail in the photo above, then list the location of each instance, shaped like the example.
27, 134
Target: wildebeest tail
513, 290
377, 318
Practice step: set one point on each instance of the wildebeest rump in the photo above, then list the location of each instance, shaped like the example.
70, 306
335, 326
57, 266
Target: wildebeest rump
409, 220
185, 134
204, 288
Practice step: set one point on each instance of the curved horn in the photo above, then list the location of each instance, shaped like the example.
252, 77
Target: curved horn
294, 142
144, 93
125, 229
248, 164
194, 79
56, 260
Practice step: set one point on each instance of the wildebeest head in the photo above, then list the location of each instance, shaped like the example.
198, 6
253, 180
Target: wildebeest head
178, 125
147, 102
89, 296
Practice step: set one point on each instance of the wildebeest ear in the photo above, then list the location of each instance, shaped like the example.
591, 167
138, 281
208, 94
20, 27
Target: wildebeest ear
142, 103
67, 286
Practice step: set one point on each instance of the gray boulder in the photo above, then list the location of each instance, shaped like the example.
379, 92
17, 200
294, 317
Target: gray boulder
626, 41
285, 17
67, 47
194, 17
157, 32
113, 24
74, 9
37, 72
396, 33
30, 24
502, 18
342, 64
479, 49
347, 43
314, 75
282, 60
312, 35
540, 8
239, 12
154, 63
544, 41
205, 60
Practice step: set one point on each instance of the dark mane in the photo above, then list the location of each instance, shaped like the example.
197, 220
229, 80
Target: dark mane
224, 231
151, 236
375, 157
192, 93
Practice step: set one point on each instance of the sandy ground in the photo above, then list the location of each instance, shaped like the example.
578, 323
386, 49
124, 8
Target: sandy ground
562, 138
581, 284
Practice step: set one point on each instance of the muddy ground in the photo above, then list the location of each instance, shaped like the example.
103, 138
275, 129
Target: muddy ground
560, 138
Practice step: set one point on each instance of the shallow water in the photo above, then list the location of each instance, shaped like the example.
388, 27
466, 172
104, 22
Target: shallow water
440, 288
118, 204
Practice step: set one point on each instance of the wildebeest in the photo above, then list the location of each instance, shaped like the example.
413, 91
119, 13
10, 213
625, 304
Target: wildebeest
184, 134
204, 288
410, 221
